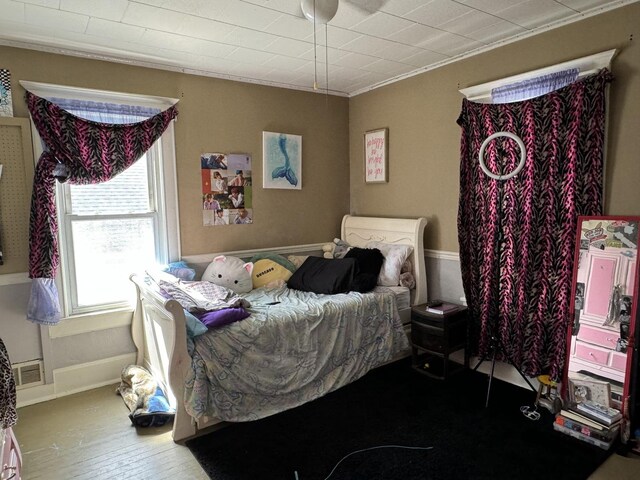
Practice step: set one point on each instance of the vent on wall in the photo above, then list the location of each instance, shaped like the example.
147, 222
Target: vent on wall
28, 374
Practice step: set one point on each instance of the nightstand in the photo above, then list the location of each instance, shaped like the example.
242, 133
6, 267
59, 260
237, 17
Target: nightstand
434, 337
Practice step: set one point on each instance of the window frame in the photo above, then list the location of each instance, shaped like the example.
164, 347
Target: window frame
163, 194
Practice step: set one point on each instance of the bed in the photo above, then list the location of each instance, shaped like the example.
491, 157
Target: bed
339, 345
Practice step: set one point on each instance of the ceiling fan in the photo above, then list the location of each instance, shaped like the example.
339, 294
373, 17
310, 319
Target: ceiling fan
322, 12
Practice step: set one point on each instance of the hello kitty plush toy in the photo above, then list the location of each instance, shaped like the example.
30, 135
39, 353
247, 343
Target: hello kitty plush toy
230, 272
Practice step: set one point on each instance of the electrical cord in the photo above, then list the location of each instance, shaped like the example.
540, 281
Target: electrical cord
364, 450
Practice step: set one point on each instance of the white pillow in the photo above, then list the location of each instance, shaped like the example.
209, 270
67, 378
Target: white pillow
394, 258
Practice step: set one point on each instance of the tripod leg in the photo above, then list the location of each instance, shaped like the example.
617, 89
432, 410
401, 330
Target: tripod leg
482, 359
508, 357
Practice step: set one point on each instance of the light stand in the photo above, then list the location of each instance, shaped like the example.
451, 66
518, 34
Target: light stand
495, 343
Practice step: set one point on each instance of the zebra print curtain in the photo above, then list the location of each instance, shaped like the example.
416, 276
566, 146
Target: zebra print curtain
517, 236
79, 151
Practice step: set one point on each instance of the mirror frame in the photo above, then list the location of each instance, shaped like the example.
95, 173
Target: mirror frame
626, 408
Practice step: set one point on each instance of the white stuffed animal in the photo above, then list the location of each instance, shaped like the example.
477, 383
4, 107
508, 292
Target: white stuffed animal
230, 272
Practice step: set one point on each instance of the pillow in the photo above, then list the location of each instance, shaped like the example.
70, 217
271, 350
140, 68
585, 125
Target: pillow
194, 326
270, 269
407, 280
394, 258
324, 275
297, 260
218, 318
230, 272
275, 258
369, 261
268, 272
180, 270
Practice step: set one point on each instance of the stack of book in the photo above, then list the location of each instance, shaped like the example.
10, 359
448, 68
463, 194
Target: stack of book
590, 422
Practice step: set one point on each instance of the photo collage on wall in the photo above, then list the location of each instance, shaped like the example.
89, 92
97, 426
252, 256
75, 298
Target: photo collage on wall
227, 193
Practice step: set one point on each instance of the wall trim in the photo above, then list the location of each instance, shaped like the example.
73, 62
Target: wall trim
91, 322
208, 257
14, 278
442, 255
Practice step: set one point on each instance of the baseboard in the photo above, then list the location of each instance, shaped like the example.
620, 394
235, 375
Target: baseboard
77, 378
86, 376
33, 395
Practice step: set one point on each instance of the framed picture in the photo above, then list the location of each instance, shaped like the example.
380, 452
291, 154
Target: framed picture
281, 161
376, 156
593, 390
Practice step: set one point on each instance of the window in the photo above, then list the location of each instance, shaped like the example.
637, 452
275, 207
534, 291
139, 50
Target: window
109, 230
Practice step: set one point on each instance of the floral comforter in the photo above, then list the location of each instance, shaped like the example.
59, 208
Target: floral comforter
288, 353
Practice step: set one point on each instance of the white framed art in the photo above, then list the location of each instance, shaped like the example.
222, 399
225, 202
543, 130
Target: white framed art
281, 161
376, 156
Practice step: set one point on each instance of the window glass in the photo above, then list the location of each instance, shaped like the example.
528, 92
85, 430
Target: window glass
123, 194
105, 253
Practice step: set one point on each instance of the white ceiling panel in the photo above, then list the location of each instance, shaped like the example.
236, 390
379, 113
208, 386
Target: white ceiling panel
198, 27
293, 48
244, 37
108, 29
371, 42
44, 3
382, 24
470, 21
415, 34
500, 31
402, 7
438, 12
11, 12
107, 9
424, 58
55, 19
491, 6
535, 13
289, 26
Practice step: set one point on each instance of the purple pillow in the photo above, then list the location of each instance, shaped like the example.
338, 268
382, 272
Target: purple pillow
222, 317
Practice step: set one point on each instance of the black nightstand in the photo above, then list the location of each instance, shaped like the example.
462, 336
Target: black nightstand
434, 337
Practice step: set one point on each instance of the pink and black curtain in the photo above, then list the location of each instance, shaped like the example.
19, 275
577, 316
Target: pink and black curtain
517, 236
79, 151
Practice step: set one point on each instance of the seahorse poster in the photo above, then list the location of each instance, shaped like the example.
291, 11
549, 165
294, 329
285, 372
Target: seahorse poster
6, 104
282, 161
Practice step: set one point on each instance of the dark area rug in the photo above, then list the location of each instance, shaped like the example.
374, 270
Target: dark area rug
395, 405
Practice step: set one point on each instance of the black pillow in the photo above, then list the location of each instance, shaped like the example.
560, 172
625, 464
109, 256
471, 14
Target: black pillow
324, 275
369, 261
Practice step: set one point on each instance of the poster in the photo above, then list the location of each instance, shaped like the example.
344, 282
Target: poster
282, 161
227, 193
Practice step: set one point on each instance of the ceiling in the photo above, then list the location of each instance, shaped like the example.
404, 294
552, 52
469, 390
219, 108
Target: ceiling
370, 42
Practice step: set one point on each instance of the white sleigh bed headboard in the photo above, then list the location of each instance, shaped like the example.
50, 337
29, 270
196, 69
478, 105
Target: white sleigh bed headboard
358, 231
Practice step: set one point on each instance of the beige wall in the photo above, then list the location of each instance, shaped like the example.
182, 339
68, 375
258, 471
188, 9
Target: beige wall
225, 116
424, 139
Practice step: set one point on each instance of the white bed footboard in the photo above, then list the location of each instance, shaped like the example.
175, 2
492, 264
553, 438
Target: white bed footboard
160, 334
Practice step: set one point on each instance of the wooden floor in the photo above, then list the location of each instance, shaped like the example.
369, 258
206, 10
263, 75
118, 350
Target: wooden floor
89, 436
